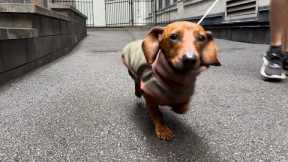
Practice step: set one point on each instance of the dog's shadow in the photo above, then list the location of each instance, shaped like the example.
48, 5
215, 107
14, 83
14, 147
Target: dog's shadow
186, 146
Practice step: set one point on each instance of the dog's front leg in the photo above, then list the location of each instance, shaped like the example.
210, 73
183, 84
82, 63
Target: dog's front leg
181, 108
161, 129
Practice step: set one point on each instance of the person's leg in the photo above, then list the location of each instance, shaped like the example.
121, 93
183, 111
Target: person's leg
285, 46
272, 67
277, 18
285, 37
285, 20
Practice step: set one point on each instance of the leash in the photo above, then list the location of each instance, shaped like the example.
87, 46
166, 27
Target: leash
203, 17
207, 12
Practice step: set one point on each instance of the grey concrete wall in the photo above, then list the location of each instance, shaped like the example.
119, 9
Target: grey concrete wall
42, 3
263, 3
196, 8
260, 35
15, 1
252, 30
28, 40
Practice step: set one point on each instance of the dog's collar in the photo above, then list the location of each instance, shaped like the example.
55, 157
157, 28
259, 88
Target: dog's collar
169, 63
165, 71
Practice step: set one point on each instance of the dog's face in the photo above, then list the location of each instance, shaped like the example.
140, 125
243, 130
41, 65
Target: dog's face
186, 45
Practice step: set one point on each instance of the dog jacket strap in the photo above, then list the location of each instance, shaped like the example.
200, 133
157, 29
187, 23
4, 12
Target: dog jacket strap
144, 68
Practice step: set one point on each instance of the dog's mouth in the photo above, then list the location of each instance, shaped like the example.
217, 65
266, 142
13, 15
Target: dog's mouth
180, 66
186, 62
185, 66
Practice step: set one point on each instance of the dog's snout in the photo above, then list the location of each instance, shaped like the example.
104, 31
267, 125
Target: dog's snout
189, 59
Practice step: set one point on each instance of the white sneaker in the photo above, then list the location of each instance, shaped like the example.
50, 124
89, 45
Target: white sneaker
272, 67
285, 63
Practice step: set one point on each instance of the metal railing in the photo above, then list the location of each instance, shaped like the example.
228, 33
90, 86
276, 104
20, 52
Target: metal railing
127, 12
135, 13
86, 7
119, 13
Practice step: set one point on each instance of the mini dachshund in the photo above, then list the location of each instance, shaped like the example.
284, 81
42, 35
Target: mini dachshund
165, 65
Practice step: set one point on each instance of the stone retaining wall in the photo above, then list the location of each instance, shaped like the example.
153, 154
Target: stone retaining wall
31, 36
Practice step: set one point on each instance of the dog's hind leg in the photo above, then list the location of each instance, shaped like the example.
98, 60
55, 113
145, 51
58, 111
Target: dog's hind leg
161, 129
138, 91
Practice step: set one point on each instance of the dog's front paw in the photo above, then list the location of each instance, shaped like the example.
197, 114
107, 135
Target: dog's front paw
164, 133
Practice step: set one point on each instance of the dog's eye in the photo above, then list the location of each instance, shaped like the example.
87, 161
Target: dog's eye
174, 37
201, 38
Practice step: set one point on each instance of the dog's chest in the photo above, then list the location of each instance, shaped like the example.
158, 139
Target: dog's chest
160, 81
167, 85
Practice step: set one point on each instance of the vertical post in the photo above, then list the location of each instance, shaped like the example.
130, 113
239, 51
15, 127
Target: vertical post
132, 12
93, 23
106, 13
155, 12
169, 14
36, 2
152, 12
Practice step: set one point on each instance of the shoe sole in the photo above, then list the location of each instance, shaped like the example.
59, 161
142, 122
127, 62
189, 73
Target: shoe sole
265, 76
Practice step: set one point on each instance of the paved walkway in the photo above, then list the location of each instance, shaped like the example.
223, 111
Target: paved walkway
82, 108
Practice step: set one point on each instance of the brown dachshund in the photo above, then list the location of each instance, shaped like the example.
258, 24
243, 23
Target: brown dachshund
164, 66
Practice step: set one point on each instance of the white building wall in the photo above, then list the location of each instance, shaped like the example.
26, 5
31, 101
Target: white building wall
119, 13
141, 11
185, 9
195, 8
99, 13
263, 3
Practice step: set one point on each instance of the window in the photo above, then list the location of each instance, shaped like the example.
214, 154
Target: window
167, 3
241, 9
160, 4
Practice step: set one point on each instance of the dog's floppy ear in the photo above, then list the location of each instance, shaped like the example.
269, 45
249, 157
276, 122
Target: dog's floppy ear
210, 51
151, 43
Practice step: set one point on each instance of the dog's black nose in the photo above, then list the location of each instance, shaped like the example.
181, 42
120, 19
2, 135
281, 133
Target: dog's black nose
189, 59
